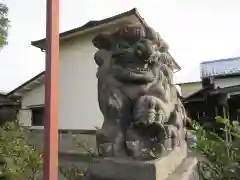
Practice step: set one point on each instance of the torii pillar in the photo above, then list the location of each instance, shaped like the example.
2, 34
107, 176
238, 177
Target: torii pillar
51, 92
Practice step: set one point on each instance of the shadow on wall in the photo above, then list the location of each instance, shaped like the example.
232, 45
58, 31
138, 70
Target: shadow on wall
67, 144
8, 109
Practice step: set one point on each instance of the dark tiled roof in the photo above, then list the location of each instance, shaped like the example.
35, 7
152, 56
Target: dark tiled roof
24, 84
92, 24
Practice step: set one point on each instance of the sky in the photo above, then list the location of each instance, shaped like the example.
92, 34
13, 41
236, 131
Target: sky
196, 31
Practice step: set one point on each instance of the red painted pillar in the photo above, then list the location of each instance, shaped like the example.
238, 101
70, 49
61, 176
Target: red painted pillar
51, 92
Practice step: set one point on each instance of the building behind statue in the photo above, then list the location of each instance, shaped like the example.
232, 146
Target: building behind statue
218, 92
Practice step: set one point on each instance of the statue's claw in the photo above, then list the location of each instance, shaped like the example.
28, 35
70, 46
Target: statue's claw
148, 111
171, 139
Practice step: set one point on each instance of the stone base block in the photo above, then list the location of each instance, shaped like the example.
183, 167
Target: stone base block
188, 170
170, 167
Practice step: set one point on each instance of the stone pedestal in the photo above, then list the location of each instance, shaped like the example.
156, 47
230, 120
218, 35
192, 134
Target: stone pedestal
174, 166
188, 170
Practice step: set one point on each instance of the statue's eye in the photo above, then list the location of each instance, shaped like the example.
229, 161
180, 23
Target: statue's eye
140, 47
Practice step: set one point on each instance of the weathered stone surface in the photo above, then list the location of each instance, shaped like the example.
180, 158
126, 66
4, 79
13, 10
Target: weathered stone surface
125, 169
143, 114
188, 170
143, 136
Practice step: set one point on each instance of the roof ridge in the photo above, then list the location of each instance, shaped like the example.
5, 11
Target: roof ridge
22, 85
220, 60
189, 82
85, 26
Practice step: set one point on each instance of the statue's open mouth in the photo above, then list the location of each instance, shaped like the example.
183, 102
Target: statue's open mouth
133, 73
137, 67
141, 68
127, 67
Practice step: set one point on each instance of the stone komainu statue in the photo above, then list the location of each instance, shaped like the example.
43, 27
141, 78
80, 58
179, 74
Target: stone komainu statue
143, 115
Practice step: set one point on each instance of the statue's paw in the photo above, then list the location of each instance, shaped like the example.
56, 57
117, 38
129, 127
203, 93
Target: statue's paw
148, 110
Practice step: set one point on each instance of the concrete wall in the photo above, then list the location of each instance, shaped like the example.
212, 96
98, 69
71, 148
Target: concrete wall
226, 82
67, 144
190, 88
69, 152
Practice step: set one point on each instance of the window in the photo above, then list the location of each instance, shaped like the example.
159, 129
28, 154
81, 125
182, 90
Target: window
37, 116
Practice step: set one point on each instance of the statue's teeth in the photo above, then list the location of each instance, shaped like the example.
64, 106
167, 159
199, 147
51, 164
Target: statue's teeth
143, 69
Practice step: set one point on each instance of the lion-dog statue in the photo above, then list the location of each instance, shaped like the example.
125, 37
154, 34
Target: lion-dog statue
143, 115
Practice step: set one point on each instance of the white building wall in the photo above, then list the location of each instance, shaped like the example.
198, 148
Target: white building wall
34, 97
78, 103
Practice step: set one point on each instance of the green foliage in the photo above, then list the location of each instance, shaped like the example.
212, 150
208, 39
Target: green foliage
219, 157
4, 24
19, 158
82, 144
73, 172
